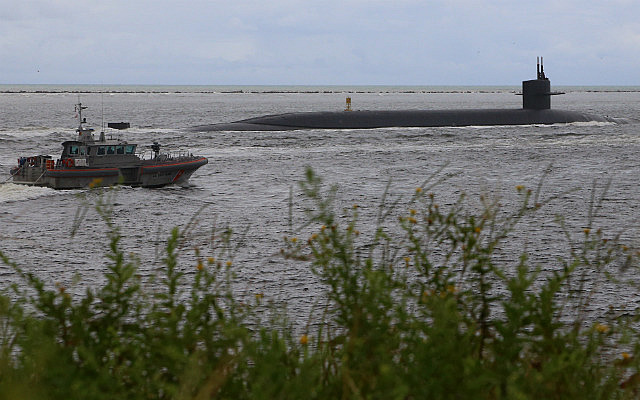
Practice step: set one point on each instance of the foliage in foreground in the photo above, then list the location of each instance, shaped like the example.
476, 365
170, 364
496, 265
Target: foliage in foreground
419, 308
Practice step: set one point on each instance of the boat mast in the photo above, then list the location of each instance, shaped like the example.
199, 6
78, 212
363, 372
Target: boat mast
83, 133
79, 109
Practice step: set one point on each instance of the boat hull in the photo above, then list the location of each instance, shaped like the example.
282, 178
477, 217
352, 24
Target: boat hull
148, 173
403, 118
174, 173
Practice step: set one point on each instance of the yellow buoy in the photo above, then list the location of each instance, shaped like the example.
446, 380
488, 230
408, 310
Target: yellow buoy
348, 108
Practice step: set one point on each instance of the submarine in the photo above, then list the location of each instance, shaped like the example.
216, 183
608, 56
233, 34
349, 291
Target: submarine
536, 110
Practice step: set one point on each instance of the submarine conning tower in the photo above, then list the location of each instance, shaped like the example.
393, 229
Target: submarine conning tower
536, 93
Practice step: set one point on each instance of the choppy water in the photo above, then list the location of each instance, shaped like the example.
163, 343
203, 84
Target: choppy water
250, 174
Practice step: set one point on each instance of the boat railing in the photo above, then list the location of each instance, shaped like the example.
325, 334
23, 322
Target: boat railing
113, 136
163, 155
38, 161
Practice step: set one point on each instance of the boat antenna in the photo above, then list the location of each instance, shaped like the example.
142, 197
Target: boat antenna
102, 112
102, 137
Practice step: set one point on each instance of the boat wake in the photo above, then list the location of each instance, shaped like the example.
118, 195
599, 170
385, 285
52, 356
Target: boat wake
10, 192
598, 123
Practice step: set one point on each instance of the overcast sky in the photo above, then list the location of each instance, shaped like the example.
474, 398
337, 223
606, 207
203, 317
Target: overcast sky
348, 42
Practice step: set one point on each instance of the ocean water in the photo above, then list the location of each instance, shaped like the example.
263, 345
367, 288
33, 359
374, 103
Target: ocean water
250, 175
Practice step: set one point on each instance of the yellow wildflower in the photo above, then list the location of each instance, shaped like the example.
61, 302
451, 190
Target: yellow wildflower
586, 231
200, 266
601, 328
412, 220
304, 339
229, 263
211, 260
294, 240
626, 356
477, 229
94, 183
412, 212
519, 188
418, 190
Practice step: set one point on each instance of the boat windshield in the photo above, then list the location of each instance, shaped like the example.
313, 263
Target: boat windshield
121, 149
77, 150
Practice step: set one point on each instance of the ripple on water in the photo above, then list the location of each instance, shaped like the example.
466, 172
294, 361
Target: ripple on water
250, 174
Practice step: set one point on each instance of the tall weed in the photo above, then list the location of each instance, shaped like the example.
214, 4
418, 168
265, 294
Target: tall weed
420, 305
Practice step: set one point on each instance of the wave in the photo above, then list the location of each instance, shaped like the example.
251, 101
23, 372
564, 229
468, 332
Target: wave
40, 131
578, 124
29, 131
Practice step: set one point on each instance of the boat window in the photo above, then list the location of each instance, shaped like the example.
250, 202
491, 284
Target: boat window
111, 149
83, 151
130, 148
73, 149
100, 150
120, 149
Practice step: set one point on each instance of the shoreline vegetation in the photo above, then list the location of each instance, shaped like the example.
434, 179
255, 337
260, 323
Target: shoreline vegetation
421, 308
291, 89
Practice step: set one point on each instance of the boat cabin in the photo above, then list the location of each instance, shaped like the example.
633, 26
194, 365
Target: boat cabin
74, 149
98, 154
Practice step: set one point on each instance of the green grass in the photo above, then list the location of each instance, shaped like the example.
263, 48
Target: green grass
420, 307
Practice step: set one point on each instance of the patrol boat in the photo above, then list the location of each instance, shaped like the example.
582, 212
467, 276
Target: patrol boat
86, 162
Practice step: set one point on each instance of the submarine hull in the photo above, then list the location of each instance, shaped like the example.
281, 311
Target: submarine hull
404, 118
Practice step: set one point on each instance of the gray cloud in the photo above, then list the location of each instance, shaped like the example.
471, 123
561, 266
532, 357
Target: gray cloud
309, 42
